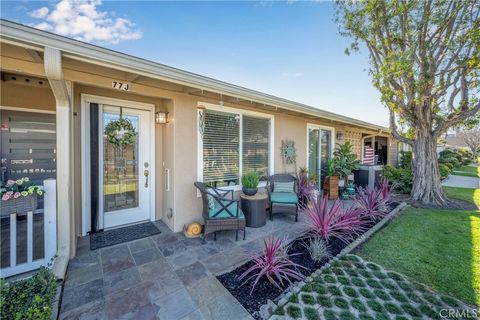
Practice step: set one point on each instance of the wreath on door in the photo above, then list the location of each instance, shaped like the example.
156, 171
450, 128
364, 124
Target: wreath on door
121, 133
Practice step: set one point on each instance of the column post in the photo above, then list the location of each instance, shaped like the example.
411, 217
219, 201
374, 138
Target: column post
54, 73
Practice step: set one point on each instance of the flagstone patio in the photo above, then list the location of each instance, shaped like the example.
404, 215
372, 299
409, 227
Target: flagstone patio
166, 276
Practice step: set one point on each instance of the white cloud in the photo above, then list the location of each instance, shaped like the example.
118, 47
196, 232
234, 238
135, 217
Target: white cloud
81, 19
292, 74
39, 13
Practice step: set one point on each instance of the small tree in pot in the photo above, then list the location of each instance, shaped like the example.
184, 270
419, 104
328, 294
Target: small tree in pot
250, 181
347, 161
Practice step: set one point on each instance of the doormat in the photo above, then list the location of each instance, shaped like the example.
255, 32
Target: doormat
116, 236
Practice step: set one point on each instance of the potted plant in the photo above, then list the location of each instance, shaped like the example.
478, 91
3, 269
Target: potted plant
250, 181
350, 188
347, 162
18, 196
330, 186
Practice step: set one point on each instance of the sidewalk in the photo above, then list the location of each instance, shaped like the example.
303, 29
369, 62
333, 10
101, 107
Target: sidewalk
462, 182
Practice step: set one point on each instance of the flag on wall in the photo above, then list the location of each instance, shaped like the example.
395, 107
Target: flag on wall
368, 156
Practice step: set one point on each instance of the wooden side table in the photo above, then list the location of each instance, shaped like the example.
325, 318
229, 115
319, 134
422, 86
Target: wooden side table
255, 209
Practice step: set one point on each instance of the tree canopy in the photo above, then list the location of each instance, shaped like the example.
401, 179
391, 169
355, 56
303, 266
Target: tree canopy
424, 57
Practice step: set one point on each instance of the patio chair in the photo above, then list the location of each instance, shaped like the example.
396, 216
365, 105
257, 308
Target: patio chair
219, 212
284, 195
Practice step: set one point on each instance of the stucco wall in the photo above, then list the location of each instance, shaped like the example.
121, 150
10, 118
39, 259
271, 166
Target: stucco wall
176, 142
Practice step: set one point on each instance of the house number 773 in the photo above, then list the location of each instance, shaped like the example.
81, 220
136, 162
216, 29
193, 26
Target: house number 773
120, 85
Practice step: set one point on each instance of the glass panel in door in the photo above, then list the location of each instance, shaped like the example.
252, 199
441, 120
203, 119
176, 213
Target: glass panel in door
125, 180
120, 174
325, 151
313, 152
319, 152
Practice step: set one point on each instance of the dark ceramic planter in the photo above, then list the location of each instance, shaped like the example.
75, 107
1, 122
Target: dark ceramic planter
249, 191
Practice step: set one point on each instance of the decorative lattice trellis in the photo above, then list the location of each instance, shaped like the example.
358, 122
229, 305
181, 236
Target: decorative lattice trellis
355, 139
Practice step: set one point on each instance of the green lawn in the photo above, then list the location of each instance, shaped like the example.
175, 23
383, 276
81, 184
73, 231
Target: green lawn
465, 194
467, 171
439, 248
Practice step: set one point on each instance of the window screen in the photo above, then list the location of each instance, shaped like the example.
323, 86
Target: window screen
255, 141
221, 148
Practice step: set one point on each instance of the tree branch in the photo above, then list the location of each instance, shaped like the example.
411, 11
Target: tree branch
454, 119
394, 130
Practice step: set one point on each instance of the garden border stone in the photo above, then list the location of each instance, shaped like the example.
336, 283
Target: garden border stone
266, 311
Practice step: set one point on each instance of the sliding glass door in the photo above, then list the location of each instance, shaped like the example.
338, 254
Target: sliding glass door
320, 148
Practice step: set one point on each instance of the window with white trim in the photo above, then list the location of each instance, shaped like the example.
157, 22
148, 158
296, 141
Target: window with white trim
234, 142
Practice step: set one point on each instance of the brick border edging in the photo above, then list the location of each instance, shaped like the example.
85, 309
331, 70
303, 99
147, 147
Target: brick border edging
266, 311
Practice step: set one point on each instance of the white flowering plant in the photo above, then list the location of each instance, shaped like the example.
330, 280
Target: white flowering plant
14, 189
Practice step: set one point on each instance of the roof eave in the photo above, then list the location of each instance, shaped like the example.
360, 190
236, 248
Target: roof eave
16, 33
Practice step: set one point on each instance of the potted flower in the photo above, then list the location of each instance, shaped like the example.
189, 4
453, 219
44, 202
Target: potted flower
330, 186
250, 181
19, 196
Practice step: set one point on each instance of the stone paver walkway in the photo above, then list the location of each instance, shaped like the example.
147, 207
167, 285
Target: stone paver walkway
352, 288
462, 182
166, 276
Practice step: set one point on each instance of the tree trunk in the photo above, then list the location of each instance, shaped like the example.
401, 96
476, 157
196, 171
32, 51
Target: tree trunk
427, 187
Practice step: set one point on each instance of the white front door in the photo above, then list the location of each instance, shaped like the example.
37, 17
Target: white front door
124, 179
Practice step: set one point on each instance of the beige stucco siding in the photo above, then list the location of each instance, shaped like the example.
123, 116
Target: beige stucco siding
175, 142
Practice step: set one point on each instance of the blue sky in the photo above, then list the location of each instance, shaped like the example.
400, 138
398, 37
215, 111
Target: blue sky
291, 50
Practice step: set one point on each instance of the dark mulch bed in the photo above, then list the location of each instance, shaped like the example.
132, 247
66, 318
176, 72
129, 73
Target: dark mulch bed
264, 290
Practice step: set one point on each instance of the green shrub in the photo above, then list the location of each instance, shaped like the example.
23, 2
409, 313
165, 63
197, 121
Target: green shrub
406, 158
401, 178
250, 180
30, 298
445, 171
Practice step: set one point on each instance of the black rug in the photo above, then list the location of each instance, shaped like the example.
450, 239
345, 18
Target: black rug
116, 236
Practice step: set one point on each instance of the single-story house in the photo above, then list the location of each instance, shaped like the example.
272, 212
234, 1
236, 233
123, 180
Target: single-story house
59, 95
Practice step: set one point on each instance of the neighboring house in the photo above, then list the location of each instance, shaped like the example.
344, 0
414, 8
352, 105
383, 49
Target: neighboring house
213, 132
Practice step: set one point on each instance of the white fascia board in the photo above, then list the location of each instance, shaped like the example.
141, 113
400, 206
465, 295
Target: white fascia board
16, 33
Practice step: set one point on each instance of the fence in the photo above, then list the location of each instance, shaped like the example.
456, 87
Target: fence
49, 235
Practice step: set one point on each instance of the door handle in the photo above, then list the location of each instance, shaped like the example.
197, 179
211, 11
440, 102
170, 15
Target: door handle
146, 173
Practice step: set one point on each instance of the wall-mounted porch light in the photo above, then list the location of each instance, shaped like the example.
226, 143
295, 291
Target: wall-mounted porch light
161, 117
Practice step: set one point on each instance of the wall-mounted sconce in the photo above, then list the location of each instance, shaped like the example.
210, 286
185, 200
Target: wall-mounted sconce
161, 117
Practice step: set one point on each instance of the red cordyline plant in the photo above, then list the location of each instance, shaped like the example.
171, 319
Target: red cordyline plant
305, 187
371, 202
333, 220
274, 263
386, 189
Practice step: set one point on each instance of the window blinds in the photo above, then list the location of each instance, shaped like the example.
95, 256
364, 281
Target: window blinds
221, 148
223, 135
255, 141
